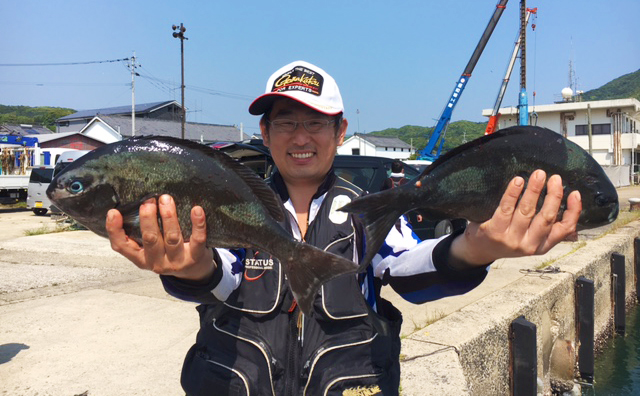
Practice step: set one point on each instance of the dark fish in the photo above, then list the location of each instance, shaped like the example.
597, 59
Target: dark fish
469, 181
241, 210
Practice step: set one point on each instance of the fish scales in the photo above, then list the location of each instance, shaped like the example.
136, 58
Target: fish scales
469, 181
241, 210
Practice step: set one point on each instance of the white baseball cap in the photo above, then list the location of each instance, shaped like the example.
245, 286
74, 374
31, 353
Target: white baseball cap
304, 83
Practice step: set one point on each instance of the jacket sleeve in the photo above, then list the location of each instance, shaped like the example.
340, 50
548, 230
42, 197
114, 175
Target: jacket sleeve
225, 279
419, 270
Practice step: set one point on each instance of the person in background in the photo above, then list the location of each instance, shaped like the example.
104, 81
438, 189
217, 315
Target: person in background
253, 338
396, 178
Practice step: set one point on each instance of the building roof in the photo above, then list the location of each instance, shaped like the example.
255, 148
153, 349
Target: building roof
24, 130
141, 108
193, 131
572, 106
383, 141
54, 136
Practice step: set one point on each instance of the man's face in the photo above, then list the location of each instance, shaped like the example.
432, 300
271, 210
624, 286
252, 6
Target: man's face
301, 156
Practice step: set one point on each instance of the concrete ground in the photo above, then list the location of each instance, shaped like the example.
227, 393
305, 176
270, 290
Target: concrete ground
78, 319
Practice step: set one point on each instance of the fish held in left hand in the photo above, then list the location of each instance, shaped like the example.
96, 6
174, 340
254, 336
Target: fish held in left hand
468, 182
241, 210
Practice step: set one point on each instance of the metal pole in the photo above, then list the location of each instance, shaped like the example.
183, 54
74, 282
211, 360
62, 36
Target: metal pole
585, 316
179, 33
184, 111
523, 45
589, 130
133, 94
523, 105
523, 358
618, 292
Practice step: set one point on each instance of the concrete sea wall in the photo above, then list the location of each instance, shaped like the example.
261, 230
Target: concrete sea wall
467, 352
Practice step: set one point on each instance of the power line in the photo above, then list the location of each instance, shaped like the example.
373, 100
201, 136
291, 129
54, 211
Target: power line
63, 64
42, 84
209, 91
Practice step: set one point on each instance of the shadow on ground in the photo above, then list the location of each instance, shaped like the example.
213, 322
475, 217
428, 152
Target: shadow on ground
9, 351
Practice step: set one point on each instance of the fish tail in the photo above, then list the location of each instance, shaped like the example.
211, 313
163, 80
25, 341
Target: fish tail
377, 217
309, 267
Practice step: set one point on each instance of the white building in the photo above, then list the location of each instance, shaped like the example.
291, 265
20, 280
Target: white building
115, 128
615, 127
167, 110
376, 146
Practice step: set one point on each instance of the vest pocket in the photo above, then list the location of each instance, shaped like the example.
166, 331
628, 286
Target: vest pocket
351, 368
363, 385
224, 362
202, 376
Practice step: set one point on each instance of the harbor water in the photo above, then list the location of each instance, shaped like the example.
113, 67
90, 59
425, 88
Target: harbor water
617, 368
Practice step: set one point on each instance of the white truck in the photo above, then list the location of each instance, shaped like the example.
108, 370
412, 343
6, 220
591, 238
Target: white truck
18, 156
13, 188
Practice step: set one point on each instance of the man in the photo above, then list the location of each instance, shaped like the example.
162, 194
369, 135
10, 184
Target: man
253, 337
396, 178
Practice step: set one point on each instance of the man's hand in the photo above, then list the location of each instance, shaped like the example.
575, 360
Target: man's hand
515, 229
164, 254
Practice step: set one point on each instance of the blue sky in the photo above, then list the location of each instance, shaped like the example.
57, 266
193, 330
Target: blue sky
396, 62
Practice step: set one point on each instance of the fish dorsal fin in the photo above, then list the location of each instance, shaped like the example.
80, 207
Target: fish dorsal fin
513, 131
258, 186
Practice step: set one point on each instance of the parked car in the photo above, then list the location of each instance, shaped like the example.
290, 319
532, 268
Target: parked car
368, 173
39, 180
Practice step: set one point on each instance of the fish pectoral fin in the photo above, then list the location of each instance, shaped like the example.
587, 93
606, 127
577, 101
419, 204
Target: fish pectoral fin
131, 214
310, 268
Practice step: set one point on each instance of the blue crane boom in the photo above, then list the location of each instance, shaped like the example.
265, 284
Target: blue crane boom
440, 129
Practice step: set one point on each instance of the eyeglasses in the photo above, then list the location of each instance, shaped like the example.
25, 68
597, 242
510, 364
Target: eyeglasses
311, 126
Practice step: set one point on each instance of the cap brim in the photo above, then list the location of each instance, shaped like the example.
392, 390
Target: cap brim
264, 102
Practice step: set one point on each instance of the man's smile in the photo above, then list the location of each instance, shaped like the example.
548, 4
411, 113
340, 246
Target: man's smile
302, 155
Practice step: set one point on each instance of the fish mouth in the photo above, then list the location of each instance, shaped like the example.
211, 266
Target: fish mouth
55, 192
614, 212
610, 202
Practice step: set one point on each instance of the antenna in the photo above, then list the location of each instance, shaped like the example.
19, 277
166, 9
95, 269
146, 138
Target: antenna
573, 80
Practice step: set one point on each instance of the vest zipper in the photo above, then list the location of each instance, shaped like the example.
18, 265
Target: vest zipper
296, 334
294, 351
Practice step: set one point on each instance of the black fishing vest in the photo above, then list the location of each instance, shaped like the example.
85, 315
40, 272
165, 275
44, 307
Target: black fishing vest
258, 342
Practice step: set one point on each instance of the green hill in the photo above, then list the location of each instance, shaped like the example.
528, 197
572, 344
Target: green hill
457, 133
46, 116
627, 86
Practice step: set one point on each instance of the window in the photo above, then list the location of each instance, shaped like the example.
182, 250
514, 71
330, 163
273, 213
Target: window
596, 129
361, 176
39, 175
355, 151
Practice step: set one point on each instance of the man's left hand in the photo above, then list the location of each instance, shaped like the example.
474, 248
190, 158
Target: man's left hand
515, 229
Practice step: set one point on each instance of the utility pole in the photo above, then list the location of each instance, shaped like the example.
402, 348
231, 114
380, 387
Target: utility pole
179, 33
133, 66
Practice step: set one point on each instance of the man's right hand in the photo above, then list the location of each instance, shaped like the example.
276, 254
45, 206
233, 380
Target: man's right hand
168, 253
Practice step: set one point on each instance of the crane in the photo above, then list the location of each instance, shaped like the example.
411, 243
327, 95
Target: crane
492, 125
440, 129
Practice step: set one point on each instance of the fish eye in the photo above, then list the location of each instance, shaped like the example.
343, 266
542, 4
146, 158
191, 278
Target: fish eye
601, 200
76, 187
